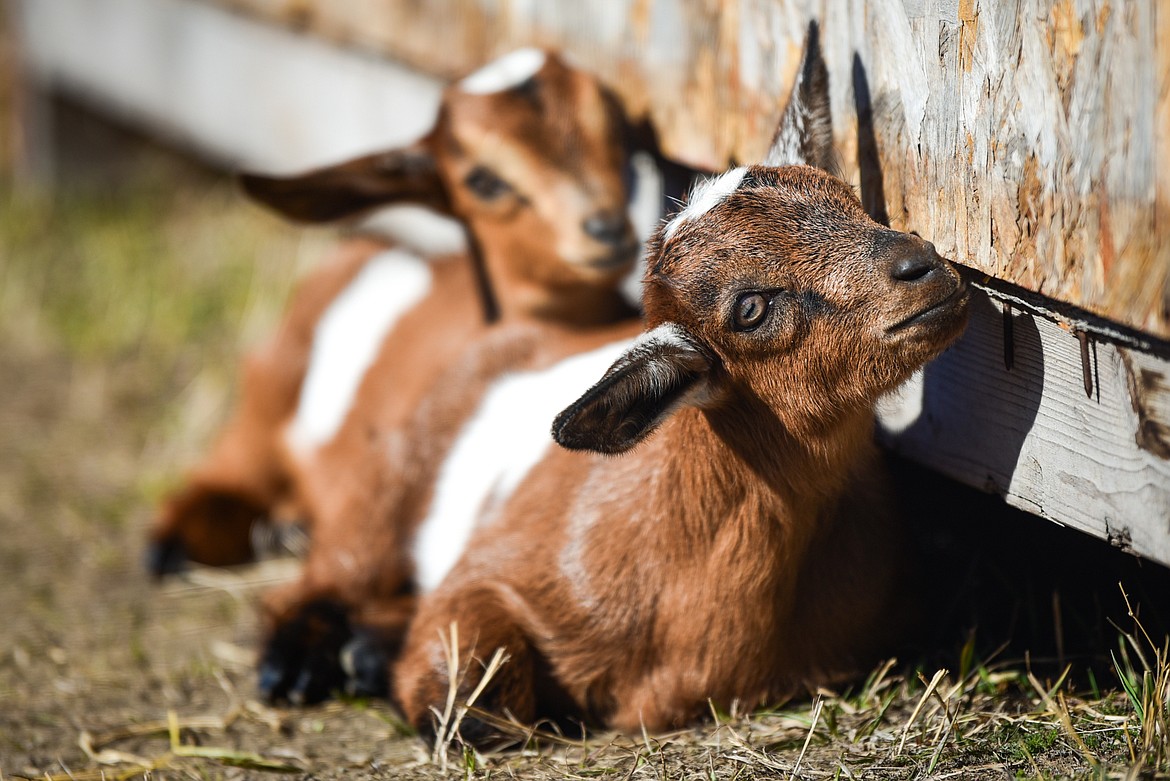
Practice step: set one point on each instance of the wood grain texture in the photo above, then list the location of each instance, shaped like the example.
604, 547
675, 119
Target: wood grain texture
1025, 138
1032, 435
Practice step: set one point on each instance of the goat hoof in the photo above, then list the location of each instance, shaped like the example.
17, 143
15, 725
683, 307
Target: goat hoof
272, 679
165, 557
301, 661
365, 663
305, 690
479, 734
317, 681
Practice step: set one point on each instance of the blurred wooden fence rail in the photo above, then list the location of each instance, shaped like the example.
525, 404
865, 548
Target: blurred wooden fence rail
1029, 140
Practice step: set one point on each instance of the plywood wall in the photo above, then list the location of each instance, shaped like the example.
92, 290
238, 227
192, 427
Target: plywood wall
1026, 138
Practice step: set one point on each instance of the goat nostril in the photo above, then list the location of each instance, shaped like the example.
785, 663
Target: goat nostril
607, 228
911, 268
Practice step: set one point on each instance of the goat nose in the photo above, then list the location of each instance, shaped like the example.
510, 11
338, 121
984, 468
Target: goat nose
915, 263
608, 227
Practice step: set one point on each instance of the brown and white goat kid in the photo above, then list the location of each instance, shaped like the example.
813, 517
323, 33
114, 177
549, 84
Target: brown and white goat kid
528, 153
740, 548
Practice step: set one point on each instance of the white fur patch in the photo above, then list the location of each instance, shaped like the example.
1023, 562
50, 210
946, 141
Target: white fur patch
347, 340
707, 196
495, 451
902, 407
504, 73
664, 335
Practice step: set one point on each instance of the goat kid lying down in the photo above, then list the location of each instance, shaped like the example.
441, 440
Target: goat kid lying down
737, 549
528, 153
714, 525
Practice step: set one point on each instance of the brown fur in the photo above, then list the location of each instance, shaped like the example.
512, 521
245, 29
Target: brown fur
244, 476
743, 551
557, 144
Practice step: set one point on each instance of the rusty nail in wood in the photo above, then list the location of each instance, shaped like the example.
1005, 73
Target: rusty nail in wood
1009, 343
1086, 366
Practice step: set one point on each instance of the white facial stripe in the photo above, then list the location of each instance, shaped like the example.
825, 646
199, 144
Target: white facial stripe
347, 340
707, 196
504, 73
495, 451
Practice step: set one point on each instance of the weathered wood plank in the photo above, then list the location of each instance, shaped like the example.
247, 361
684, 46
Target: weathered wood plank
1162, 157
240, 91
236, 89
1032, 435
1022, 137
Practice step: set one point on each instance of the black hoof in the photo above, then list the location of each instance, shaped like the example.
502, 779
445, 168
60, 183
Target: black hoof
318, 680
301, 662
365, 663
165, 557
272, 678
480, 734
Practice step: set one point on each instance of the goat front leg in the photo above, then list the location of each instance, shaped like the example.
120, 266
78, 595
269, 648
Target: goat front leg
466, 629
318, 642
343, 622
247, 475
304, 632
207, 521
379, 629
210, 520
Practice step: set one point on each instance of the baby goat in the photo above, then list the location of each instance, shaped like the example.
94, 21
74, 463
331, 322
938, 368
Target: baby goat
529, 154
740, 547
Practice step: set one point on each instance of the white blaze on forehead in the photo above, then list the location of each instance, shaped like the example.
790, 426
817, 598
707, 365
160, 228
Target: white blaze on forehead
347, 339
495, 451
504, 73
707, 196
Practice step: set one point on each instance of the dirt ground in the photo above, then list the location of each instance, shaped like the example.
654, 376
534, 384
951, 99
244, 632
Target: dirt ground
124, 305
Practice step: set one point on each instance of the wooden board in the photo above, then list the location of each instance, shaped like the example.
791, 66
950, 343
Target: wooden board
1027, 139
1034, 435
241, 92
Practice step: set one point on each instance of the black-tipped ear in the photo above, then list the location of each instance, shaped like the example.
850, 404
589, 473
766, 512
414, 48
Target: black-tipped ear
661, 371
399, 176
805, 133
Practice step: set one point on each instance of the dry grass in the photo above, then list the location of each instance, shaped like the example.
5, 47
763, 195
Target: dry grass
992, 724
123, 312
988, 723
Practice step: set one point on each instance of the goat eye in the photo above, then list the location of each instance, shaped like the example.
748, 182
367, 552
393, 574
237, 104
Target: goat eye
750, 311
485, 184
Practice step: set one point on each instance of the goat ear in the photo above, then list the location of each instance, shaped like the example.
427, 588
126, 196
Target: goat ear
805, 134
406, 175
660, 372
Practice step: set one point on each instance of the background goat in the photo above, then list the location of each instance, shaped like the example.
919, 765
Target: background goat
528, 153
